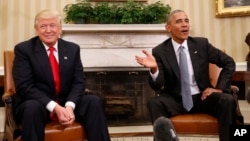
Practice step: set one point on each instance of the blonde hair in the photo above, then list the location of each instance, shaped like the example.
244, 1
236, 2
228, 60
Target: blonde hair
47, 14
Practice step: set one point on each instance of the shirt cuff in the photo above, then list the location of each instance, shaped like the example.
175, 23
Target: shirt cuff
51, 106
154, 76
71, 104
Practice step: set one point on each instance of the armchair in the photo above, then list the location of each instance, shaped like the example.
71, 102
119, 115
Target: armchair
53, 130
204, 124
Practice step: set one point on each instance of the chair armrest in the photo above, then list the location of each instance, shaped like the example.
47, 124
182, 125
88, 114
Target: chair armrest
10, 121
7, 95
239, 116
234, 89
88, 92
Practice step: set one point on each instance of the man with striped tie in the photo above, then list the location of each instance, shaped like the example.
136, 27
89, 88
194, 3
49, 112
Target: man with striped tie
179, 68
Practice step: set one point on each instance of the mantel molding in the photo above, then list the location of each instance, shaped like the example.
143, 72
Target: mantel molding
107, 46
113, 27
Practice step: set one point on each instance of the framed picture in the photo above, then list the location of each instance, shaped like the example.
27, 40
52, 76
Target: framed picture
116, 0
230, 8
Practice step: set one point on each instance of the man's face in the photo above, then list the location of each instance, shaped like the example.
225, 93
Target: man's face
48, 30
178, 26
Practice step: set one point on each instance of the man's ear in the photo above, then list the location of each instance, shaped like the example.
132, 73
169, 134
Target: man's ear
167, 28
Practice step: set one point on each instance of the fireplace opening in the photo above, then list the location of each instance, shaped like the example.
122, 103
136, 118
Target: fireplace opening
124, 93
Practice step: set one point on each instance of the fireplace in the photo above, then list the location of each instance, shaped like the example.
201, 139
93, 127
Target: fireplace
124, 94
108, 55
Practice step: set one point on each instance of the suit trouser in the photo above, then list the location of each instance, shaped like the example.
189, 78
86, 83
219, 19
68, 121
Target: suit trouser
33, 117
220, 105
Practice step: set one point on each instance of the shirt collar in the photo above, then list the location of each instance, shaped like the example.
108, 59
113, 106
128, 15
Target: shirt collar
177, 45
55, 46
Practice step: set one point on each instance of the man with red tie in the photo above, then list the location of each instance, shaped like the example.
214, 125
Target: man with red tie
44, 89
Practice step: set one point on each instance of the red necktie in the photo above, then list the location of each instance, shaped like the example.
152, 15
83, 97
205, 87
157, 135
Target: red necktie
55, 70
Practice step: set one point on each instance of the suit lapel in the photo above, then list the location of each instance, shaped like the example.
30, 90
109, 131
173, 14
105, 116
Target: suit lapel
171, 58
63, 60
194, 55
43, 61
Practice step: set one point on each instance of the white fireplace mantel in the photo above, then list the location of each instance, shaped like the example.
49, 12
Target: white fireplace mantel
114, 28
113, 46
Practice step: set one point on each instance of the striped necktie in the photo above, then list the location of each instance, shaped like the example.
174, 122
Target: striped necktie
187, 100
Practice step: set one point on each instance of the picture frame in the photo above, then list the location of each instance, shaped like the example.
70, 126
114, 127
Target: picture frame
232, 8
116, 0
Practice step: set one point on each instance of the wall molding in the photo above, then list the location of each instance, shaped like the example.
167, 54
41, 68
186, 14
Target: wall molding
240, 66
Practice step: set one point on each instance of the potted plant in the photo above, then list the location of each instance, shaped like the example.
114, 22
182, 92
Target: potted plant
80, 12
129, 12
104, 13
155, 13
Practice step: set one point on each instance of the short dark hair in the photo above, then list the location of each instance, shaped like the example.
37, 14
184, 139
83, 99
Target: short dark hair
172, 13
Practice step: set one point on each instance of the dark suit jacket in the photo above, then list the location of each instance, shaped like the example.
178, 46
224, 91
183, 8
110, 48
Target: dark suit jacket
202, 53
33, 76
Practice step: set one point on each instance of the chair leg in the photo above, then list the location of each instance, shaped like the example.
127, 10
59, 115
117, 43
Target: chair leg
5, 138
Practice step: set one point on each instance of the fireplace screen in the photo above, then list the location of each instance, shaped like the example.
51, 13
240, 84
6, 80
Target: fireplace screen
125, 94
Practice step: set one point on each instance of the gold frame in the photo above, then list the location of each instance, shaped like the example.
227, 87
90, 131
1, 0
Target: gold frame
222, 11
116, 0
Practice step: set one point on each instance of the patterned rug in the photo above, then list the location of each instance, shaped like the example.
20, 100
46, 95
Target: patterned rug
195, 138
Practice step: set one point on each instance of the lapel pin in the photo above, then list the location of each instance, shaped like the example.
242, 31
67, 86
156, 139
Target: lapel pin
65, 57
195, 52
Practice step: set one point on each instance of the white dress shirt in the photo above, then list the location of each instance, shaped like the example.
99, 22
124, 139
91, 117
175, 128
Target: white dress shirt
52, 104
193, 85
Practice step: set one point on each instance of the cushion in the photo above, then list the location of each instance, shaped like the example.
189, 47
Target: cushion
203, 124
